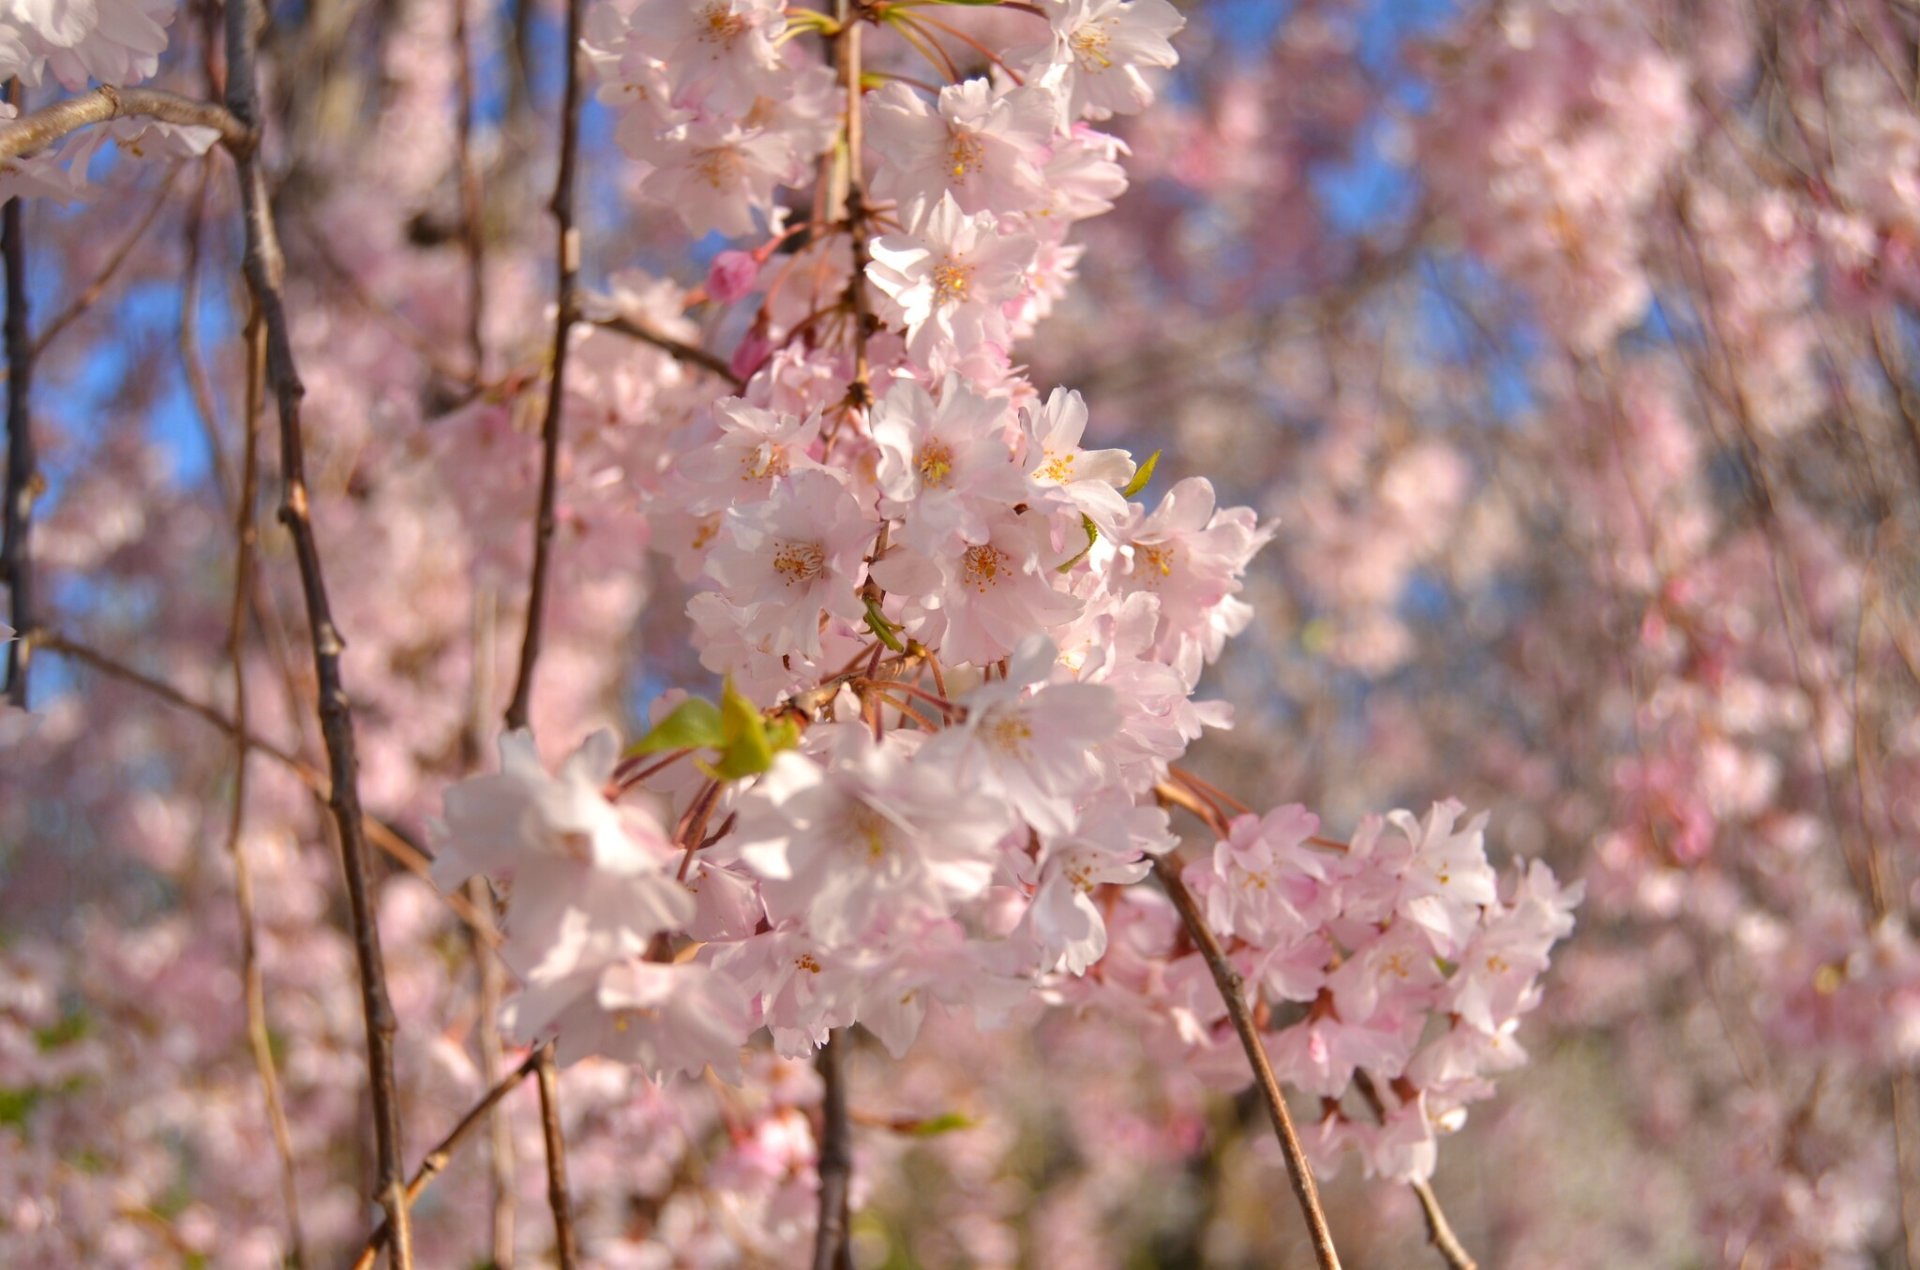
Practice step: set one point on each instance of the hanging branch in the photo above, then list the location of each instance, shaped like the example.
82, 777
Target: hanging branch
23, 478
1439, 1229
831, 1248
679, 350
263, 267
43, 127
441, 1155
567, 271
1233, 991
90, 294
245, 538
487, 968
391, 842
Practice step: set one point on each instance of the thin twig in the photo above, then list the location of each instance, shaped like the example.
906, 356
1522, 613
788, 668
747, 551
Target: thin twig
472, 208
437, 1159
96, 288
43, 127
566, 1250
1439, 1230
245, 538
23, 478
1233, 991
491, 973
566, 275
677, 349
500, 1150
263, 267
391, 841
199, 386
831, 1249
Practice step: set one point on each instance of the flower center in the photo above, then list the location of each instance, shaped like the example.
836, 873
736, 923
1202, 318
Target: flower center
763, 461
965, 153
935, 462
718, 166
723, 26
1159, 560
1007, 730
951, 281
981, 566
870, 827
1092, 45
1058, 468
799, 561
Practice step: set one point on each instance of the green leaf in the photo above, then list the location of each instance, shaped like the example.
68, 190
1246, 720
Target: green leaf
749, 744
934, 1126
694, 724
1093, 536
1142, 475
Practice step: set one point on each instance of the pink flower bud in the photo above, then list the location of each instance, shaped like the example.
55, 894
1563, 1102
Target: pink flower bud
732, 276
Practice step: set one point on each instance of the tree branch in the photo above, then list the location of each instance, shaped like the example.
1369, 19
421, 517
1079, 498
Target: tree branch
436, 1160
566, 276
252, 978
1439, 1230
23, 476
831, 1249
677, 349
43, 127
1233, 991
263, 267
390, 840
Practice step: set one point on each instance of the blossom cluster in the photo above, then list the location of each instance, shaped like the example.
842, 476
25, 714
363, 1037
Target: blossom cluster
1358, 949
967, 652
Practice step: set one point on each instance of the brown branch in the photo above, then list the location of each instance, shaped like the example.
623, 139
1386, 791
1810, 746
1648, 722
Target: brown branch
245, 538
472, 206
436, 1160
23, 476
566, 276
199, 385
679, 350
1439, 1230
263, 266
43, 127
391, 841
847, 54
1233, 992
566, 1248
92, 292
831, 1247
500, 1148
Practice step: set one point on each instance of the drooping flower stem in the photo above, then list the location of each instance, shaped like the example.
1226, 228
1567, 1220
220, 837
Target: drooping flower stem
263, 266
1233, 991
566, 271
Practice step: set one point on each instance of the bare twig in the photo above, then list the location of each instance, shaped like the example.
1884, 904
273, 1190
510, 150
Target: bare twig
43, 127
1439, 1230
566, 1249
566, 275
472, 227
831, 1248
500, 1150
390, 841
23, 478
677, 349
263, 266
1233, 991
245, 538
436, 1160
91, 293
